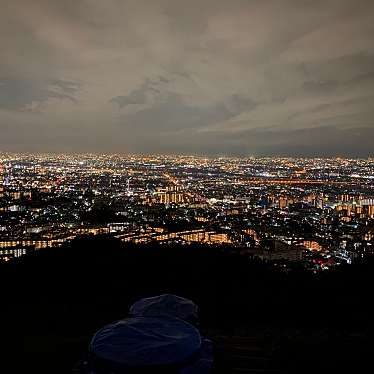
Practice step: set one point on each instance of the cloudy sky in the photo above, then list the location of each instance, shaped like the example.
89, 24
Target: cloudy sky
215, 77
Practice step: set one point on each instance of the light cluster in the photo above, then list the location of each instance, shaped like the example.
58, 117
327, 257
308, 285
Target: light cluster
319, 212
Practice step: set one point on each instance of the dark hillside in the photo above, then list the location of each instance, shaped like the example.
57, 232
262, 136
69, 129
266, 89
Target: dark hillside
54, 300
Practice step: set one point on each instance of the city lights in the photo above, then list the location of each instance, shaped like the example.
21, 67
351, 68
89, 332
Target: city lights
318, 212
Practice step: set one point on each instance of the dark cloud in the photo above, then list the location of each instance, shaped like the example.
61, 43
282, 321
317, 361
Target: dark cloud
328, 141
29, 95
140, 95
135, 97
67, 87
211, 76
312, 142
172, 115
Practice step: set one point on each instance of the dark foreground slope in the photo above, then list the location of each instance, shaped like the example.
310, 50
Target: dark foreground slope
54, 300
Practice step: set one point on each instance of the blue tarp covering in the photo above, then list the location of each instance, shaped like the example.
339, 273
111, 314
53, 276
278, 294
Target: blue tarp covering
167, 306
155, 335
138, 342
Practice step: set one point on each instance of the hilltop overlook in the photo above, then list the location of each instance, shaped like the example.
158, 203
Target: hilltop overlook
55, 299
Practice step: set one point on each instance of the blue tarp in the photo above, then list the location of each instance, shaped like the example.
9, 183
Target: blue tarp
155, 335
144, 341
166, 306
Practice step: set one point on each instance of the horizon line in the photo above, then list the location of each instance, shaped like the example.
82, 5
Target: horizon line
197, 155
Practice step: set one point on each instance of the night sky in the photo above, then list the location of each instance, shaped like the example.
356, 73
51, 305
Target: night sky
222, 77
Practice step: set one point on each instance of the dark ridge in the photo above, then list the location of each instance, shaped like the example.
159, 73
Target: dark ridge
53, 301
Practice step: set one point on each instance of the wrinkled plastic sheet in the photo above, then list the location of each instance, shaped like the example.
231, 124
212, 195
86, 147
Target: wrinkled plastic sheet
167, 306
140, 342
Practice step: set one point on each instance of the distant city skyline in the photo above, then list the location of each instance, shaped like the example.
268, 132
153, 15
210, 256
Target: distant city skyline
5, 154
212, 78
317, 212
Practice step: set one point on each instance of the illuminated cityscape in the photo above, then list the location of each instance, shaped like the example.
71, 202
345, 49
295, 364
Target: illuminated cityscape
186, 187
316, 212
